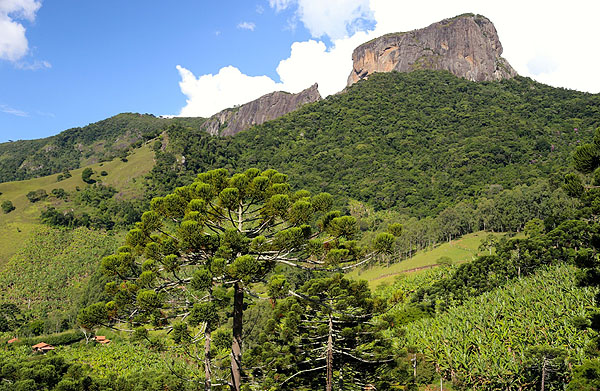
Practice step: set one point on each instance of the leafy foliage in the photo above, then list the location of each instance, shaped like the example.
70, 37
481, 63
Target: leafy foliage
483, 343
96, 207
586, 376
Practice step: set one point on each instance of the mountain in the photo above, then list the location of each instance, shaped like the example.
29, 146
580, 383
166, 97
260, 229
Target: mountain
416, 142
231, 121
467, 45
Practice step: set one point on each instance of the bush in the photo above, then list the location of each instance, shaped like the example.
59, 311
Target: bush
59, 193
65, 338
37, 195
586, 376
65, 174
444, 261
7, 206
86, 175
104, 173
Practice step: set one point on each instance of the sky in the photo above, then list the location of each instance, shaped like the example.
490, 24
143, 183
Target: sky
65, 64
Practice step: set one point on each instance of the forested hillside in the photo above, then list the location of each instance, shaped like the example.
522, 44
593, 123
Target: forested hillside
416, 142
78, 147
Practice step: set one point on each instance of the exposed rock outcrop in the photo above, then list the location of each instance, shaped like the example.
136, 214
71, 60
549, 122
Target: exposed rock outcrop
466, 45
231, 121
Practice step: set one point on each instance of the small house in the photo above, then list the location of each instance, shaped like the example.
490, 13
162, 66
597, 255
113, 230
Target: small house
102, 339
42, 347
13, 340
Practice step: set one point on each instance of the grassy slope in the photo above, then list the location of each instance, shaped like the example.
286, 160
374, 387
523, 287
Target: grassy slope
461, 250
16, 226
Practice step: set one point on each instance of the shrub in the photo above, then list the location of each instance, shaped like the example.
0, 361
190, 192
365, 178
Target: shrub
59, 193
7, 206
37, 195
86, 175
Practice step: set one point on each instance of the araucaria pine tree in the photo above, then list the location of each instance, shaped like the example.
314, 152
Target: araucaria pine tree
220, 232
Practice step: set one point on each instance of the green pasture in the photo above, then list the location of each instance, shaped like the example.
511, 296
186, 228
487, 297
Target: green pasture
458, 251
16, 226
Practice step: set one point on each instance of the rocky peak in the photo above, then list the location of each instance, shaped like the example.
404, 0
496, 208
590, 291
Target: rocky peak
231, 121
466, 45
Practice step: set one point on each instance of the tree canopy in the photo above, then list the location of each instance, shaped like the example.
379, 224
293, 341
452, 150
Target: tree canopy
222, 232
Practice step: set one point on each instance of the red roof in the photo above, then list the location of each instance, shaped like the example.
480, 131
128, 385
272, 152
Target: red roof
13, 340
40, 345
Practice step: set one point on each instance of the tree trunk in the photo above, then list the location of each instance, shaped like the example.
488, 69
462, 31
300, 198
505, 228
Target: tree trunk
236, 346
543, 374
207, 373
238, 310
329, 386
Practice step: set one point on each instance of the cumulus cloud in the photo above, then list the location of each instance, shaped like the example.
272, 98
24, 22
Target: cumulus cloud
246, 26
333, 18
13, 42
554, 45
209, 94
311, 61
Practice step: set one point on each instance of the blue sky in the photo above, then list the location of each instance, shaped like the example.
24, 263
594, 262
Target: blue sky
117, 56
69, 63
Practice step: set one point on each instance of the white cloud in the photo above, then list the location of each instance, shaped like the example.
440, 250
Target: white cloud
13, 42
22, 9
11, 110
280, 5
312, 61
33, 66
552, 44
209, 94
246, 26
541, 64
332, 18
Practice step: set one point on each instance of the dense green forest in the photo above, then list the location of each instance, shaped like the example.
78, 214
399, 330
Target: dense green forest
229, 265
415, 142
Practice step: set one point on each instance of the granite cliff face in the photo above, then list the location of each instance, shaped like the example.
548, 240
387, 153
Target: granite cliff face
467, 45
231, 121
